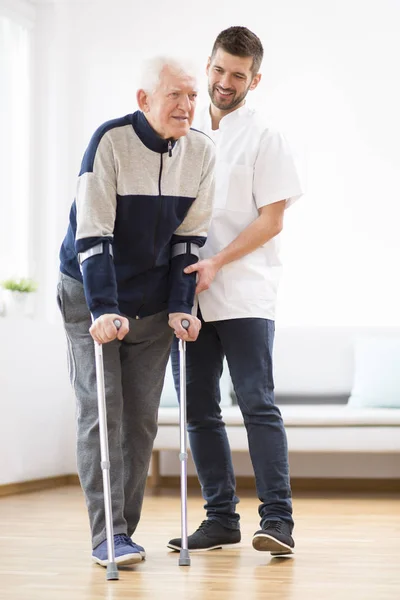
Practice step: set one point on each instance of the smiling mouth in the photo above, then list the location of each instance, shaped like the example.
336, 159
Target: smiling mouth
223, 93
180, 118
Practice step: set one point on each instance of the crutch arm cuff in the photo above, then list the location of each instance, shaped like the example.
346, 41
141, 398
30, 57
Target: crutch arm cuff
182, 286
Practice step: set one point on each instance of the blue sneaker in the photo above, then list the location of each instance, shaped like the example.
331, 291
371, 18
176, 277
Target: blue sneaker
126, 552
140, 548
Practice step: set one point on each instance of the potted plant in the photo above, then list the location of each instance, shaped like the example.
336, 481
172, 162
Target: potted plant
18, 296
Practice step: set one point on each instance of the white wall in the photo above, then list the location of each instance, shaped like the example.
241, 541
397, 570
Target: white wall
36, 402
331, 81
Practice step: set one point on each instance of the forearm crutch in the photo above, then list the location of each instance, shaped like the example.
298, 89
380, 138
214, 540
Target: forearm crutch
184, 558
112, 569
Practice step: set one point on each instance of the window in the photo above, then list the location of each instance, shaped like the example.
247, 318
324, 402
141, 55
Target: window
14, 147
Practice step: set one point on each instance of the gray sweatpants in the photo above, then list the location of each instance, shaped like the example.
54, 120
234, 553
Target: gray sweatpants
134, 372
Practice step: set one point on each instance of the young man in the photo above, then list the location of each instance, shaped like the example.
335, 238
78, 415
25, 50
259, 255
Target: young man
141, 214
256, 181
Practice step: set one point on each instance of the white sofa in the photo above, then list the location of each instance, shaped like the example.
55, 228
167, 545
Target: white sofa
310, 428
314, 371
311, 366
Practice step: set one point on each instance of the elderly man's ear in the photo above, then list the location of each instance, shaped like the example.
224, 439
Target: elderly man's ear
142, 100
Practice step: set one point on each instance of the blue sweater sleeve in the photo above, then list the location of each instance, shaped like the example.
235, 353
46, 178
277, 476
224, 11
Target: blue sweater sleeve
99, 279
182, 286
96, 201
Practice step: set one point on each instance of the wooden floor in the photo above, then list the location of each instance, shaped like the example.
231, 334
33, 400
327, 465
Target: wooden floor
346, 549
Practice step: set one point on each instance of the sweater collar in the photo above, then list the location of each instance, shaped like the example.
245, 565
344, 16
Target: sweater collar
148, 136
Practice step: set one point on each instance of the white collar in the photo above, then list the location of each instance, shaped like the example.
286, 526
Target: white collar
232, 116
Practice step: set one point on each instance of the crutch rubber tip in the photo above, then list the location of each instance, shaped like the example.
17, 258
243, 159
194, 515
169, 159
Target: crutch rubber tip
184, 558
184, 562
112, 571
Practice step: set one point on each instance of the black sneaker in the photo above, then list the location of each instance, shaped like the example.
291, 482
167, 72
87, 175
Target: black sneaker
211, 535
274, 537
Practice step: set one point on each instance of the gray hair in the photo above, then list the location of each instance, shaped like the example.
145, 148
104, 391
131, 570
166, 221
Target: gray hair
153, 67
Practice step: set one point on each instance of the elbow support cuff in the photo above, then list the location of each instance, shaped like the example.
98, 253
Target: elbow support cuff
182, 286
98, 249
185, 248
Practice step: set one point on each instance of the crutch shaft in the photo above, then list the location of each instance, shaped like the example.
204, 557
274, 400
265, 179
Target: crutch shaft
112, 569
184, 558
104, 452
183, 444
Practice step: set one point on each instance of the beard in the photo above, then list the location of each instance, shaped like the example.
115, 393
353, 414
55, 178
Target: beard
228, 104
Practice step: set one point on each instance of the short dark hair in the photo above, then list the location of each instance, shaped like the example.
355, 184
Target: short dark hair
240, 41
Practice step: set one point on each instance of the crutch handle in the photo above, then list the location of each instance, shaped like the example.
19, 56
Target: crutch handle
117, 323
185, 324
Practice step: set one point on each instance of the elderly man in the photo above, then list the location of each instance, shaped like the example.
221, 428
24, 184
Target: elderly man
141, 212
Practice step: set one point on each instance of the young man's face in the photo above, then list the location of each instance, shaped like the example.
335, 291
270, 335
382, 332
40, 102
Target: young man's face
170, 108
229, 79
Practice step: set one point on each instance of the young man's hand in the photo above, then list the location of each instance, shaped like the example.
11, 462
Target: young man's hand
190, 335
206, 271
103, 329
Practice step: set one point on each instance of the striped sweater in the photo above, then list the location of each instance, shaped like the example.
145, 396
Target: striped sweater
138, 195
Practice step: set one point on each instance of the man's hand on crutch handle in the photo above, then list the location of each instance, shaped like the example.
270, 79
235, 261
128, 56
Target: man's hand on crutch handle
104, 329
187, 335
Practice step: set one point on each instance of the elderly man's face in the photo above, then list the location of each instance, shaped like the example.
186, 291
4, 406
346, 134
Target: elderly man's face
170, 108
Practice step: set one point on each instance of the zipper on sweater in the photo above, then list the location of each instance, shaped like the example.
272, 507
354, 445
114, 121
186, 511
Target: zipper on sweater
160, 175
159, 209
